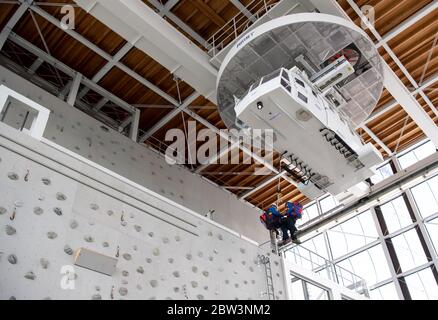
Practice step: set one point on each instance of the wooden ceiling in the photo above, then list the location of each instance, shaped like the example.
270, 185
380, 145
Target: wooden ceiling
413, 46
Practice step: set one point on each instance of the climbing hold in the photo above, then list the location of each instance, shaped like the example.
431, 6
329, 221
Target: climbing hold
3, 210
94, 206
14, 213
30, 275
68, 250
46, 181
176, 274
188, 256
195, 269
156, 252
137, 228
44, 263
242, 250
105, 244
13, 176
205, 273
148, 260
96, 297
153, 283
123, 291
194, 284
58, 211
10, 231
127, 256
200, 297
151, 234
110, 212
12, 258
51, 235
165, 240
125, 273
177, 238
170, 260
38, 211
88, 239
26, 177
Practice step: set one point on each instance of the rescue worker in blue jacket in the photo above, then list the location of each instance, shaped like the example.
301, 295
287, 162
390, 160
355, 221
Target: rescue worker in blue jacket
277, 217
292, 214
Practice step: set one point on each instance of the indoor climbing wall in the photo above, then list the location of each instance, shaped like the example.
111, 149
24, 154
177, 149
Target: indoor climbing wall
52, 205
87, 137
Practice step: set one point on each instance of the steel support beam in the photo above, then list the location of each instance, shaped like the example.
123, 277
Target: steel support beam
225, 136
212, 160
166, 11
34, 67
160, 40
410, 105
107, 68
377, 140
408, 23
263, 184
67, 70
13, 21
172, 114
243, 9
134, 125
112, 60
73, 94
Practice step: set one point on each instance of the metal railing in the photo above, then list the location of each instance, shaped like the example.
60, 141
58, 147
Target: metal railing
325, 268
238, 24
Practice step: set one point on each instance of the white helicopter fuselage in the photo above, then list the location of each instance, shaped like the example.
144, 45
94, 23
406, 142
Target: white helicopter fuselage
309, 130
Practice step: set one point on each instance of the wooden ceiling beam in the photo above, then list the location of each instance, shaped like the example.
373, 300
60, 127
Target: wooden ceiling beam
209, 12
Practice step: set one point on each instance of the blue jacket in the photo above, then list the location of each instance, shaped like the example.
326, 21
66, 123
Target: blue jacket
289, 208
274, 211
294, 210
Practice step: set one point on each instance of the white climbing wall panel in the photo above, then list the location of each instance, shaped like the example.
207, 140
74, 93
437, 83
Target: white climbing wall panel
83, 135
52, 205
